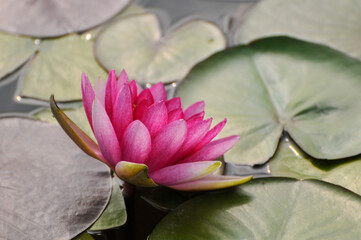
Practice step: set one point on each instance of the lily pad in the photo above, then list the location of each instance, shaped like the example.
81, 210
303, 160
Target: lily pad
84, 236
272, 208
49, 188
136, 44
291, 161
51, 18
57, 69
114, 215
15, 51
335, 23
276, 84
76, 114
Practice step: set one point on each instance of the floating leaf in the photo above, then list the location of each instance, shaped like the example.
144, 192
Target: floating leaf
49, 188
84, 236
57, 68
77, 115
277, 84
51, 18
272, 208
136, 44
290, 161
335, 23
15, 51
114, 214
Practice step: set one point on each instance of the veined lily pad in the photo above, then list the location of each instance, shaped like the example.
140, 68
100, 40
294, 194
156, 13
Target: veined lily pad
51, 18
57, 69
15, 50
114, 214
290, 161
276, 84
136, 44
273, 208
335, 23
49, 188
77, 115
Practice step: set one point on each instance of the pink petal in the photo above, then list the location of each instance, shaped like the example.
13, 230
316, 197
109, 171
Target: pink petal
158, 92
99, 90
155, 117
195, 119
166, 143
88, 97
173, 104
133, 90
194, 135
122, 79
211, 182
141, 108
213, 149
194, 109
210, 135
105, 134
122, 112
110, 92
137, 143
174, 115
145, 95
184, 172
75, 133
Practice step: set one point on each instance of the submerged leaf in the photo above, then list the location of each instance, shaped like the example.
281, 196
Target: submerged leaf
271, 208
49, 189
277, 84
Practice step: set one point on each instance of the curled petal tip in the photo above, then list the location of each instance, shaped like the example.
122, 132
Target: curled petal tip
134, 173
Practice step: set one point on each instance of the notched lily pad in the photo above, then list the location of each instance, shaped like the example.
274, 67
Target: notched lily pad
277, 84
334, 23
291, 161
15, 51
51, 18
49, 188
272, 208
57, 67
136, 44
114, 214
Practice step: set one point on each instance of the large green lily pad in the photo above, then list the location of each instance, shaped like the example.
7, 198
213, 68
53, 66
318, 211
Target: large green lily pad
15, 51
49, 188
272, 208
114, 214
276, 84
136, 44
291, 161
57, 68
335, 23
50, 18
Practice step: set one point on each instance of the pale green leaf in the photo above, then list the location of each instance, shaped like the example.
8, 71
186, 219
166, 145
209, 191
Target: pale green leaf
276, 84
271, 208
136, 43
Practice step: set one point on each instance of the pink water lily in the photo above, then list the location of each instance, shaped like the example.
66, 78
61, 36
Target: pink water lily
149, 140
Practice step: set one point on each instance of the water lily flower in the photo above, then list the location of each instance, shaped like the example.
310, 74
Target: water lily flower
149, 140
